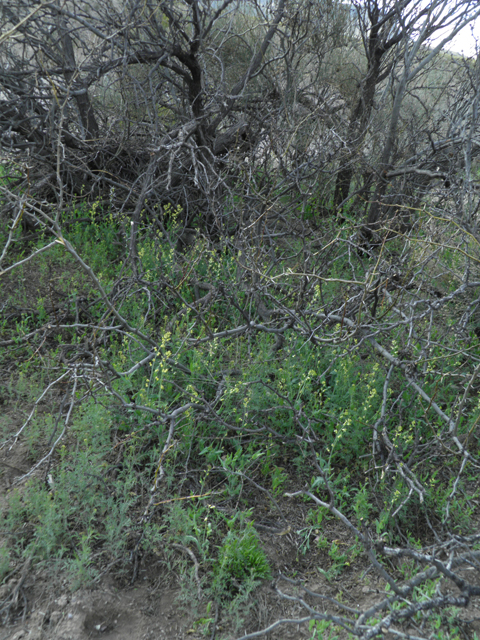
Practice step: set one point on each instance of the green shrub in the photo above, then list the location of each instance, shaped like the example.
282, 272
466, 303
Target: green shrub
241, 563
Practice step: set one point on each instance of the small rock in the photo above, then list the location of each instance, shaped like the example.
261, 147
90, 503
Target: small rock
55, 617
36, 623
62, 601
70, 628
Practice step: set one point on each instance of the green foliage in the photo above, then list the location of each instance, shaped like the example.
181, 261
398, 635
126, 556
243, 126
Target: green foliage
4, 562
323, 629
341, 556
93, 228
255, 414
78, 509
192, 525
241, 563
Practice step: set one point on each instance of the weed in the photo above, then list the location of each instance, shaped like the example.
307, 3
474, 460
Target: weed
240, 565
172, 394
4, 562
323, 629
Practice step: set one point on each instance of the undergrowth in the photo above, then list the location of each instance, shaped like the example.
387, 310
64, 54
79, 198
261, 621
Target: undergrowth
117, 486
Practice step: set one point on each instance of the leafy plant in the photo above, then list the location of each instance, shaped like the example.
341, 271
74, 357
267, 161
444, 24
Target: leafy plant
240, 564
